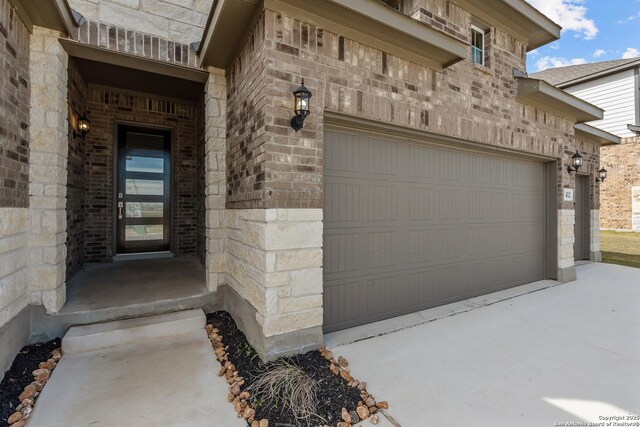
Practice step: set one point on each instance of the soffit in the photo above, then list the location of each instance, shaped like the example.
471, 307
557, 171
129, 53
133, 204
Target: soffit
52, 14
542, 95
518, 18
596, 135
366, 21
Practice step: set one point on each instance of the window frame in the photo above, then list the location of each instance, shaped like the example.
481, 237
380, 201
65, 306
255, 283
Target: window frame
475, 28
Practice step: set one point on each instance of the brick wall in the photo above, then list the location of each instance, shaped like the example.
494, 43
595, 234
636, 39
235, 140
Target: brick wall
76, 98
107, 106
135, 42
14, 109
177, 20
623, 163
271, 166
14, 157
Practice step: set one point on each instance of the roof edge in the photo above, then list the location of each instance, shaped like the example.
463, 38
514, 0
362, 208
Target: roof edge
548, 97
599, 74
604, 137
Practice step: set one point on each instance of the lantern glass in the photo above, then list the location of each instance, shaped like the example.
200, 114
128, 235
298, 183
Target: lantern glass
603, 174
577, 160
301, 100
84, 125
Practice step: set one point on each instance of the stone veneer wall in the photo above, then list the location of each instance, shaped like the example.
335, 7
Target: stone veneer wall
48, 169
618, 197
14, 158
182, 21
108, 106
77, 102
215, 155
14, 280
274, 261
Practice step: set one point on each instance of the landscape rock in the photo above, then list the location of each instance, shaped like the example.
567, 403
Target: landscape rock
334, 369
346, 376
343, 362
355, 419
362, 385
346, 416
264, 423
28, 393
41, 375
209, 328
14, 418
370, 401
363, 412
383, 405
373, 419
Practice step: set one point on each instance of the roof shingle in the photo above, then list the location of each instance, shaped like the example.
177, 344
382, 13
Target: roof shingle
561, 75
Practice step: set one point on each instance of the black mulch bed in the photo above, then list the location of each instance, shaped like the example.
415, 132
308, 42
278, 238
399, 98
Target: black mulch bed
333, 391
19, 375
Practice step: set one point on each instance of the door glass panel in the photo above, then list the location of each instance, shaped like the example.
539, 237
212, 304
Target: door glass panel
145, 187
144, 232
144, 164
144, 210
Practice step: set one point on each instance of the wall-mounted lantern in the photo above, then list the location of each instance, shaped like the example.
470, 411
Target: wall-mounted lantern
602, 175
576, 163
301, 96
84, 126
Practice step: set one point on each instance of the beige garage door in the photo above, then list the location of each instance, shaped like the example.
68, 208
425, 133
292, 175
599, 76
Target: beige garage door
411, 226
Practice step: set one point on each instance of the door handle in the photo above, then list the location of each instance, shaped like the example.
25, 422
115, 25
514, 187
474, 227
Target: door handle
120, 204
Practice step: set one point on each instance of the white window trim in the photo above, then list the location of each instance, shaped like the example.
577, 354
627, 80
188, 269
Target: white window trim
484, 44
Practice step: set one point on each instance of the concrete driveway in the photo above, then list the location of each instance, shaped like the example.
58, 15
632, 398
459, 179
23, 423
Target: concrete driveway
557, 354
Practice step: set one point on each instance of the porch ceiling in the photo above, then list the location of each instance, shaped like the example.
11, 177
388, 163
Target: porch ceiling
103, 74
114, 69
366, 21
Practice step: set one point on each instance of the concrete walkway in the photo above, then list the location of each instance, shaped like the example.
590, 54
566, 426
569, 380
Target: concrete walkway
152, 371
561, 353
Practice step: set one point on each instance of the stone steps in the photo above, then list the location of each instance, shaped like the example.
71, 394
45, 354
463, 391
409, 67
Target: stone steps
80, 339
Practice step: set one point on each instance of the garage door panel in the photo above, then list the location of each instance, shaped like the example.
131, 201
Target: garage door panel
418, 225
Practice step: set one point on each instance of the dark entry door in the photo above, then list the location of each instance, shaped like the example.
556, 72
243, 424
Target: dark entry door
582, 231
143, 202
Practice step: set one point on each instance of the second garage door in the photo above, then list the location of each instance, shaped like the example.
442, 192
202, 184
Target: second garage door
411, 226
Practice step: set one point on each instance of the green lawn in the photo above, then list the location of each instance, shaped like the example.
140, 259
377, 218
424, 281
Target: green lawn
620, 248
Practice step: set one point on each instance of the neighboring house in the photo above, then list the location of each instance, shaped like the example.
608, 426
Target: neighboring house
429, 169
613, 86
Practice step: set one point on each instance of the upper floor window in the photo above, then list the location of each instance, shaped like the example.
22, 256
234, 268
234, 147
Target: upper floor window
477, 45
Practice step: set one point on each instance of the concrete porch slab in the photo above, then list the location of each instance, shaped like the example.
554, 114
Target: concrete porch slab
131, 283
170, 380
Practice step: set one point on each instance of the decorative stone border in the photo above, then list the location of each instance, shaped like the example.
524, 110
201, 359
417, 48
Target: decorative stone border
31, 392
367, 407
228, 370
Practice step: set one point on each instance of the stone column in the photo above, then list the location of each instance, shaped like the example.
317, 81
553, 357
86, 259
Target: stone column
215, 185
48, 169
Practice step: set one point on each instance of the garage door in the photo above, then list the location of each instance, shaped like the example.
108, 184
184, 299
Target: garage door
411, 226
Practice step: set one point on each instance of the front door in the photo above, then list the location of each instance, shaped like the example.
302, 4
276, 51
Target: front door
143, 208
582, 230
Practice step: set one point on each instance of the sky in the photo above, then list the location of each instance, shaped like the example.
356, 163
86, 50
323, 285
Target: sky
593, 31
